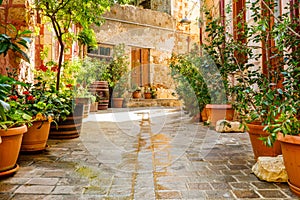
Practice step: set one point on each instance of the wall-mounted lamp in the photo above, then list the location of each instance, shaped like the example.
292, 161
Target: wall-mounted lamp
185, 21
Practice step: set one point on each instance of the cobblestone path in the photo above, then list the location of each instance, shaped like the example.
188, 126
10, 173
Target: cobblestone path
142, 154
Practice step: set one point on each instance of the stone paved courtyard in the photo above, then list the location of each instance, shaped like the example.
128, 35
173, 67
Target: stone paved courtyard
125, 154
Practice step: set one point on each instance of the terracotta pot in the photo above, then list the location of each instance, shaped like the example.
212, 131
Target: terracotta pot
259, 148
69, 128
290, 146
10, 146
147, 95
204, 115
136, 94
94, 107
117, 102
86, 101
216, 112
36, 137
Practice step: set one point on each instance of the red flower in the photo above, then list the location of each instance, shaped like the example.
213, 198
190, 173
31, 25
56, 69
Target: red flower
69, 85
54, 68
13, 97
26, 92
43, 68
30, 98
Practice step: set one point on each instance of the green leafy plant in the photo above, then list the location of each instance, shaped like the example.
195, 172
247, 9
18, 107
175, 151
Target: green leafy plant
191, 86
11, 114
14, 40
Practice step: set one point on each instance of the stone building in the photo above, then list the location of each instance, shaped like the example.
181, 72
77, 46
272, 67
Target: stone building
151, 32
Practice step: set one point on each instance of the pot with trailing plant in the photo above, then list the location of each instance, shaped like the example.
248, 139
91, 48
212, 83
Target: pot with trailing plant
13, 122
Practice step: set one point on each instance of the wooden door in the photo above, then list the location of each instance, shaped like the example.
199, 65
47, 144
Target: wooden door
140, 69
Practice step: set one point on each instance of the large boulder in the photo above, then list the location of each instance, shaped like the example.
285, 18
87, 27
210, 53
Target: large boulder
224, 126
270, 169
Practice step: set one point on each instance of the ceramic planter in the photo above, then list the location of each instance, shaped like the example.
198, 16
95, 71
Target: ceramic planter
10, 146
148, 95
36, 137
290, 146
69, 128
117, 102
136, 95
259, 148
216, 112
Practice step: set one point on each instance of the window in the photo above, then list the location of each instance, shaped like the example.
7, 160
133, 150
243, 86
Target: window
103, 52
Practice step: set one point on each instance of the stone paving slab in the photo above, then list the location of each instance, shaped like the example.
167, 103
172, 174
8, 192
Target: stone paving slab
126, 156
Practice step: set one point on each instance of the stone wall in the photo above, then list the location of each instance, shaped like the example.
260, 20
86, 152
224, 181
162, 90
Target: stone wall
158, 31
143, 28
19, 14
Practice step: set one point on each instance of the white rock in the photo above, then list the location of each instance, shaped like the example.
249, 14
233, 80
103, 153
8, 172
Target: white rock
224, 126
270, 169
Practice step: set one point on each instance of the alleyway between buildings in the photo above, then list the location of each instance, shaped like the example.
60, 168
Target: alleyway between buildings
146, 153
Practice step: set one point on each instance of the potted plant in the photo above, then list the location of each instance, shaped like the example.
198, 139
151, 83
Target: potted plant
137, 92
268, 94
94, 104
118, 93
34, 100
67, 115
190, 83
285, 126
13, 122
147, 93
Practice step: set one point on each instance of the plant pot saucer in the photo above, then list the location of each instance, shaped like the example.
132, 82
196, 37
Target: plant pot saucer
294, 188
9, 172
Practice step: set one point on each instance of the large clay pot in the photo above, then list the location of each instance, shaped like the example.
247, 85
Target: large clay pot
117, 102
36, 137
290, 146
216, 112
69, 128
10, 146
259, 148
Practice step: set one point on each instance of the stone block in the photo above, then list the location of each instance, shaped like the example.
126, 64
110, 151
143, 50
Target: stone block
224, 126
270, 169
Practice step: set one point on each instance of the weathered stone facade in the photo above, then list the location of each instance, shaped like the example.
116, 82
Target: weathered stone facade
19, 14
158, 31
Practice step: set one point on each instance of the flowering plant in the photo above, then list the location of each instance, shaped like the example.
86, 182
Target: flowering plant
47, 100
11, 115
